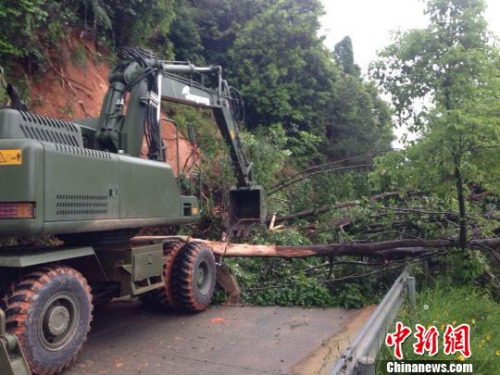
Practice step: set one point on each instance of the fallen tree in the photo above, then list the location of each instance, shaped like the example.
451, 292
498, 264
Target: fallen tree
384, 249
370, 249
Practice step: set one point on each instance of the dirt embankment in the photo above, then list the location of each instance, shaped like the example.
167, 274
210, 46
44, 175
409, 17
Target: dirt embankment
74, 87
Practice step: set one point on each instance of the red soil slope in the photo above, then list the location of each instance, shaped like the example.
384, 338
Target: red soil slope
74, 87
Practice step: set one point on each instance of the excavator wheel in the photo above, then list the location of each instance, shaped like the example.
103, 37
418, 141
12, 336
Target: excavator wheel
50, 311
163, 297
193, 277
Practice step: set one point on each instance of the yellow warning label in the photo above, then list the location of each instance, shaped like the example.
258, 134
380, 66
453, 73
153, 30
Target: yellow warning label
11, 157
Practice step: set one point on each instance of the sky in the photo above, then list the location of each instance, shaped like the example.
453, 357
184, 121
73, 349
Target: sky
370, 22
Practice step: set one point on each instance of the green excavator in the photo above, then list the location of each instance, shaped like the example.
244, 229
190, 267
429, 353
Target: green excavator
85, 183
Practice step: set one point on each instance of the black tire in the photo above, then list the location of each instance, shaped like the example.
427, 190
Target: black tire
50, 311
193, 277
163, 298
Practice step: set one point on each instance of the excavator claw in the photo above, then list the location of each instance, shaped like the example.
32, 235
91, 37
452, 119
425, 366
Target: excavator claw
247, 206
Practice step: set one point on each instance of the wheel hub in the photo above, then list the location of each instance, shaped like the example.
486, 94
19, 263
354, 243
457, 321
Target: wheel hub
57, 320
201, 276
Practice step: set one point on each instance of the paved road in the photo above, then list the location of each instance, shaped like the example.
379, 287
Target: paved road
129, 340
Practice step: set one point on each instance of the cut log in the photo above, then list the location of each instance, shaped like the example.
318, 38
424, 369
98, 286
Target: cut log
369, 249
359, 249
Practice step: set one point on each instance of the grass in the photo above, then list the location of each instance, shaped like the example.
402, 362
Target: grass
442, 306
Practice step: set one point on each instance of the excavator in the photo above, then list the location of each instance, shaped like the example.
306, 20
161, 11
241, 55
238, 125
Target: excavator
85, 183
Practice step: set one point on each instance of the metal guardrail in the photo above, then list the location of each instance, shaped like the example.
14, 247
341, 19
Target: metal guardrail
359, 357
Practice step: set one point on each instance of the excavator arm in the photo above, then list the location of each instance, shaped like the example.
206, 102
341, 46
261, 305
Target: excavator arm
131, 110
246, 200
175, 88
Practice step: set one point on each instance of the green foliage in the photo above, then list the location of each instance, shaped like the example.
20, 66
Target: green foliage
185, 36
140, 22
218, 22
444, 81
254, 275
268, 152
358, 120
352, 296
303, 146
344, 56
280, 281
445, 304
288, 237
19, 20
303, 282
29, 27
271, 51
430, 62
78, 57
97, 14
469, 268
282, 68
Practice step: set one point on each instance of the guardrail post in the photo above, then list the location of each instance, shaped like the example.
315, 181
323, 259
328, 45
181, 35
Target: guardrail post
412, 293
366, 366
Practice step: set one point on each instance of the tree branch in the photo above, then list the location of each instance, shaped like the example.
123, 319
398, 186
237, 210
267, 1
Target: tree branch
325, 208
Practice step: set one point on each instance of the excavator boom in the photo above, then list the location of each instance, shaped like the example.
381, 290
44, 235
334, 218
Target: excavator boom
173, 81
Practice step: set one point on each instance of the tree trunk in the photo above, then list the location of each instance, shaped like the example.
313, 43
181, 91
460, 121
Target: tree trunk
386, 249
461, 206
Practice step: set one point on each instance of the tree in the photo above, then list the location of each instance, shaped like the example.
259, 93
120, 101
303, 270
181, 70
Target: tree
444, 81
358, 121
282, 67
184, 34
142, 23
19, 20
217, 23
344, 56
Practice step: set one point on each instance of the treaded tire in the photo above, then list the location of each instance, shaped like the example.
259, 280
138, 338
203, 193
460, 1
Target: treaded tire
50, 311
193, 278
163, 298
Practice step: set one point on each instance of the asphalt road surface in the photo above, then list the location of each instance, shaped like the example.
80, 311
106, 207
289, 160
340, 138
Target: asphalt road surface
128, 339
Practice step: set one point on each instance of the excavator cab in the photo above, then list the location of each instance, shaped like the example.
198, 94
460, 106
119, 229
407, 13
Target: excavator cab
247, 206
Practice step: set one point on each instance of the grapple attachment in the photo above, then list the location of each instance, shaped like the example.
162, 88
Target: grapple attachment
247, 205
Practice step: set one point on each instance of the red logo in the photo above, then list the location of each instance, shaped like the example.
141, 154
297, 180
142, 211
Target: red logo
397, 338
427, 340
457, 340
